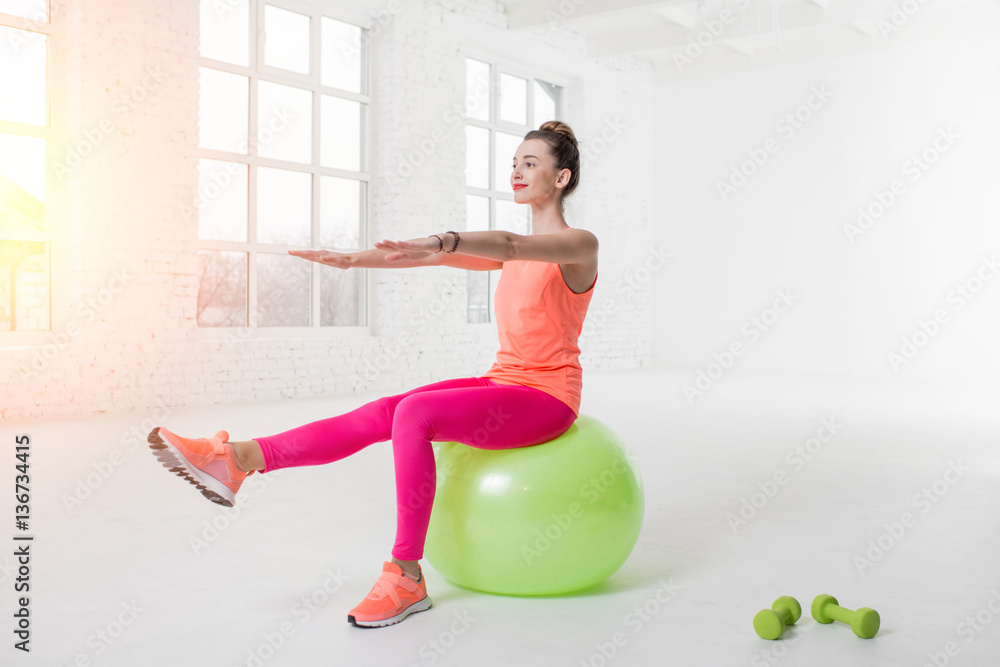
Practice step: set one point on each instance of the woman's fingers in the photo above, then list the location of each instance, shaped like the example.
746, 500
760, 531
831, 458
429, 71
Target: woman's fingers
311, 255
334, 259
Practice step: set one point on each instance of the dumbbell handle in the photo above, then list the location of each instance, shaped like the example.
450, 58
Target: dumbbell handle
838, 613
784, 612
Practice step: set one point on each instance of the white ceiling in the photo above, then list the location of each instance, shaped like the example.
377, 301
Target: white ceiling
757, 32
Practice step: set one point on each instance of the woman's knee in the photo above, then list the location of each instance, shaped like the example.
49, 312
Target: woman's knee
412, 414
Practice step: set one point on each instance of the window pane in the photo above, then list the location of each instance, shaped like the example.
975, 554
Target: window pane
36, 10
477, 213
341, 129
513, 99
225, 31
341, 297
24, 286
477, 157
283, 288
22, 182
286, 39
478, 307
224, 114
342, 64
222, 294
512, 217
506, 147
477, 89
222, 200
284, 206
546, 102
22, 76
477, 219
340, 213
284, 122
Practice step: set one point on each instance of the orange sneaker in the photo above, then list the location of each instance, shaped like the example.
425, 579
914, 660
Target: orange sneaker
209, 464
394, 597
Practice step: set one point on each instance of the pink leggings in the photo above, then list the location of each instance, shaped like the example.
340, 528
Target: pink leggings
475, 411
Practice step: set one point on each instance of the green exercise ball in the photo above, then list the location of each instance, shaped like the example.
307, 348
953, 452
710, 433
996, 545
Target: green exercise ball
540, 520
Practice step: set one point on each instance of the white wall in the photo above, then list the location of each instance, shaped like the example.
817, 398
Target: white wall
134, 344
857, 296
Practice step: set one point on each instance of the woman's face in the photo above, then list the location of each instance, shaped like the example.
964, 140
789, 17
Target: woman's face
534, 175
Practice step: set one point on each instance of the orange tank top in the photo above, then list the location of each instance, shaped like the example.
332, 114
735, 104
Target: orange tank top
539, 319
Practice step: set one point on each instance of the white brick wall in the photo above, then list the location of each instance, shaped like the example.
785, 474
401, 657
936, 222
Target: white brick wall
131, 98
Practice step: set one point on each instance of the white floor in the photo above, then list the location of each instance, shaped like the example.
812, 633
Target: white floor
135, 573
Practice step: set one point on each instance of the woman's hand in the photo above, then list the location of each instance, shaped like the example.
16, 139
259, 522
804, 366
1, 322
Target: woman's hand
414, 249
339, 260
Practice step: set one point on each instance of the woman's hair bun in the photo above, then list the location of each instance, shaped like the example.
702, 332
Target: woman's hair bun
558, 126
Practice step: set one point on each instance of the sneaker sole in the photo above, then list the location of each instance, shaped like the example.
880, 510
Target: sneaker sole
423, 605
177, 463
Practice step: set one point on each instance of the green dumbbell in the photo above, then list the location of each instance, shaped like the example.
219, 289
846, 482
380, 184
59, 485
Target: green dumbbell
770, 623
864, 621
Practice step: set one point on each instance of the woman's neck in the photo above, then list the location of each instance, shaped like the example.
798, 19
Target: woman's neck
547, 219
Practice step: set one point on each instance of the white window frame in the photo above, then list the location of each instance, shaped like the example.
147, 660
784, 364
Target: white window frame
256, 71
59, 316
503, 65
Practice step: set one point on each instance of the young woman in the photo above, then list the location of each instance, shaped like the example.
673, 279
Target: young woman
530, 395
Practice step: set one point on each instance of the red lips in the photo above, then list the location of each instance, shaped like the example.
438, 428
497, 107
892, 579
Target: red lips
518, 186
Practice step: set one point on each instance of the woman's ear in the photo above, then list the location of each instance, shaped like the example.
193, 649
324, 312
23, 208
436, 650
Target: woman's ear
562, 180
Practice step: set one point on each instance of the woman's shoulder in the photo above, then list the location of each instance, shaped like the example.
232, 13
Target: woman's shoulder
581, 236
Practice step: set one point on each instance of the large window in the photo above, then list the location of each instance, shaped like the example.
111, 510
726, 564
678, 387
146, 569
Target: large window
502, 104
25, 138
283, 164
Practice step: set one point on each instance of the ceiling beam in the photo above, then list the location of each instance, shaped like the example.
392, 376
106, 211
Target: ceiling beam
865, 26
547, 12
857, 14
681, 15
746, 47
635, 41
952, 19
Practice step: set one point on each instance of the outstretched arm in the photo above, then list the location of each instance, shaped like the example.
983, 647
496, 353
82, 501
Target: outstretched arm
376, 259
347, 260
570, 246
